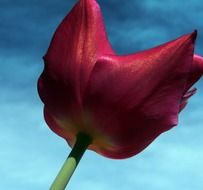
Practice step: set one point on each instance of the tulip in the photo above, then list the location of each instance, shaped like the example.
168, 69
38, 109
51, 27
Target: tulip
114, 105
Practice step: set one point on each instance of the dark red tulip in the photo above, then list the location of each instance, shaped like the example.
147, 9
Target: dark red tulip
122, 102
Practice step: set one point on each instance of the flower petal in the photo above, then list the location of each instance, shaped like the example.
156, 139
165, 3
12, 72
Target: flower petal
77, 43
196, 71
52, 123
135, 98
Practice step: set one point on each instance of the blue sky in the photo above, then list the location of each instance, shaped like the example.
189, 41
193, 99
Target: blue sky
31, 155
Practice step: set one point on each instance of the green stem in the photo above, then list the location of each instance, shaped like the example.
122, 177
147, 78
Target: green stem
69, 166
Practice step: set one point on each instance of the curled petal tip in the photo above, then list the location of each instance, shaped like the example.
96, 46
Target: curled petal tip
191, 37
195, 31
194, 35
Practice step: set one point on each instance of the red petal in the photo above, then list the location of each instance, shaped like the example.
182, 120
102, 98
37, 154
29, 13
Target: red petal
56, 128
77, 43
135, 98
196, 71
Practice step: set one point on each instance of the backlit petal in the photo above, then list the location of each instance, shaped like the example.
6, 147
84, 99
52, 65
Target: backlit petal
137, 97
77, 43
